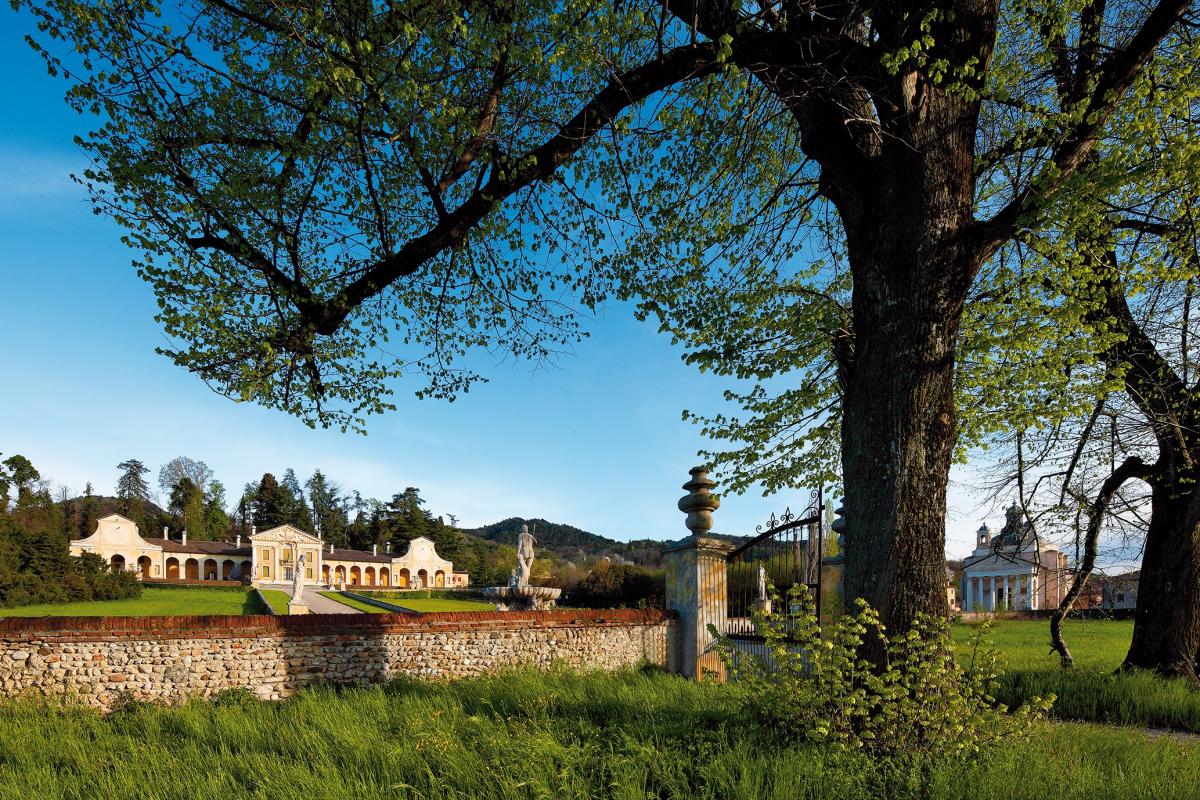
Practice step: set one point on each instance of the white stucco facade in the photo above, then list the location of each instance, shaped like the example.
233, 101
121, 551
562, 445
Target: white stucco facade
267, 557
1012, 571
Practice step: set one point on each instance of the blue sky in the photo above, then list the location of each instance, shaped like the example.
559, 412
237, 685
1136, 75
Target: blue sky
596, 441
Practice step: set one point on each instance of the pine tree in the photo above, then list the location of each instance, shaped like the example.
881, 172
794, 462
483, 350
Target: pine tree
328, 509
273, 505
132, 489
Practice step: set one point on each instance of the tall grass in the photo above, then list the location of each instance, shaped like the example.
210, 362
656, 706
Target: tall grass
1092, 690
530, 735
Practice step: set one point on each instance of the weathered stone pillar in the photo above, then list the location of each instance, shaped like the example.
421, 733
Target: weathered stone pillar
695, 577
833, 576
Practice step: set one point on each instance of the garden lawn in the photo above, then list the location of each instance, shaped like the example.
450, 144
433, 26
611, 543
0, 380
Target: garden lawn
277, 599
438, 604
1091, 690
156, 601
353, 603
533, 735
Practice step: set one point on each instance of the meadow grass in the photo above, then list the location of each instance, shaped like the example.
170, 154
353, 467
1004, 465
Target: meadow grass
533, 735
1091, 690
154, 602
277, 599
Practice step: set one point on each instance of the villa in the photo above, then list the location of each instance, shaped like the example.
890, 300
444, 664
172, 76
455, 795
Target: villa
267, 557
1013, 571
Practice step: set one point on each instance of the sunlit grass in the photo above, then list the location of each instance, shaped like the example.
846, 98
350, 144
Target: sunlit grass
532, 735
155, 602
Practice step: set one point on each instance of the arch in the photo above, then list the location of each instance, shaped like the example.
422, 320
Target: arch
247, 570
339, 575
355, 576
439, 579
191, 569
325, 573
369, 576
402, 579
210, 569
144, 566
385, 578
173, 568
117, 562
226, 570
422, 579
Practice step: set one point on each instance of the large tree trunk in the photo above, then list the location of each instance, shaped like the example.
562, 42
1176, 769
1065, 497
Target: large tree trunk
911, 276
1166, 633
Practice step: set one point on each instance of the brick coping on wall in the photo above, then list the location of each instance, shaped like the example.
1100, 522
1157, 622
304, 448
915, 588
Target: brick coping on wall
203, 627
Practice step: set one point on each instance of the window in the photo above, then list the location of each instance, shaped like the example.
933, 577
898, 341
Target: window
266, 570
1120, 597
267, 554
310, 572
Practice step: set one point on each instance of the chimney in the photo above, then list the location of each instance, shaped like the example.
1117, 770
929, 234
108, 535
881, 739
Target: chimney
239, 540
389, 547
253, 530
166, 532
375, 549
183, 539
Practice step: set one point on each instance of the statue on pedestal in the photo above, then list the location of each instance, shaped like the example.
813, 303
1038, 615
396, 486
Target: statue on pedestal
525, 543
298, 580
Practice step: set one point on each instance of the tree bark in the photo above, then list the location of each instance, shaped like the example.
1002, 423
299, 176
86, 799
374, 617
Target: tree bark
911, 277
1166, 632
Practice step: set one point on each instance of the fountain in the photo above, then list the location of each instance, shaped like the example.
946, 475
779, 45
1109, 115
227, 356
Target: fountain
518, 595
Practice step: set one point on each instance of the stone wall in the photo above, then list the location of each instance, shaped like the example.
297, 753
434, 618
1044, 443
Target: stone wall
102, 660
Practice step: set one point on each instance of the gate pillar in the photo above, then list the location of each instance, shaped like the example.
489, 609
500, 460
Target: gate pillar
695, 580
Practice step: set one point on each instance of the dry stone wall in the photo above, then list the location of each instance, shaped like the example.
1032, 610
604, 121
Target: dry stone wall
102, 660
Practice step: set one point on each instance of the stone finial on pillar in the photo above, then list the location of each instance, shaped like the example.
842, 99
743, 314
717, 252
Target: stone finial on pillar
699, 504
696, 583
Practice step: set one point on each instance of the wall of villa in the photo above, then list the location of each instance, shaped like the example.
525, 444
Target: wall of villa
100, 661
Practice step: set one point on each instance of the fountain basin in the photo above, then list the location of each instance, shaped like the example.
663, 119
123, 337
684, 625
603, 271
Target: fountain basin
522, 598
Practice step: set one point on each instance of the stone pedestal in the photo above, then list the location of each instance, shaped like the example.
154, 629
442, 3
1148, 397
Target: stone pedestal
696, 582
762, 606
697, 591
297, 607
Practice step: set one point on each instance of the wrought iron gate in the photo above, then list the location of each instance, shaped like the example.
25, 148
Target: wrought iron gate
786, 551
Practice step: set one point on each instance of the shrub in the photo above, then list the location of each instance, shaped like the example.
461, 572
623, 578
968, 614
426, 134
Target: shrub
920, 702
619, 586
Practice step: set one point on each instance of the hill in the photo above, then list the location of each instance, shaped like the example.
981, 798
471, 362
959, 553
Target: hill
571, 543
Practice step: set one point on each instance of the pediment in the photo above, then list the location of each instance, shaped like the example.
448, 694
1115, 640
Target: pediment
999, 563
286, 534
115, 531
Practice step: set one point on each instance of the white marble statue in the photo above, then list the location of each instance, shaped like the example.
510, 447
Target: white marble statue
525, 543
512, 579
298, 580
762, 582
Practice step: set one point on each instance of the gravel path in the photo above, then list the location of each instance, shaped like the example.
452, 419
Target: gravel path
319, 604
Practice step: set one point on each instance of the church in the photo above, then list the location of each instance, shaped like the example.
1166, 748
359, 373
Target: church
1012, 571
268, 557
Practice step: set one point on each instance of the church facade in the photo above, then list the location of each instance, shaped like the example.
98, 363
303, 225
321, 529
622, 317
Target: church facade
1012, 571
268, 557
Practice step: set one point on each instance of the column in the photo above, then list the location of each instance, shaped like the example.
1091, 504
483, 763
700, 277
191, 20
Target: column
1033, 592
966, 598
695, 581
990, 602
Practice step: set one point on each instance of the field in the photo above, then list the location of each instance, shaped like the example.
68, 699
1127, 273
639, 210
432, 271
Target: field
1091, 690
533, 735
155, 601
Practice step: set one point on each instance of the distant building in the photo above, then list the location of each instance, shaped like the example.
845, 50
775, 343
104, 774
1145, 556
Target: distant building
951, 590
1120, 591
1012, 571
267, 557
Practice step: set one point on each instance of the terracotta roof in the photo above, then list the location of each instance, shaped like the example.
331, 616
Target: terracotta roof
206, 548
346, 554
